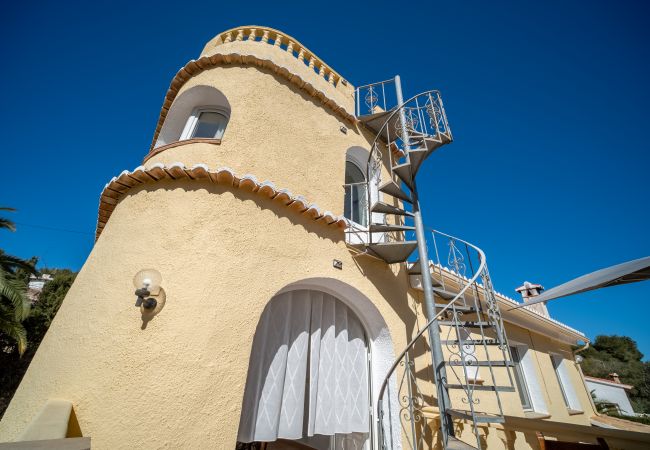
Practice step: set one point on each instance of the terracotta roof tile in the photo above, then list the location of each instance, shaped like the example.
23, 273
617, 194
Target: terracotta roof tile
120, 185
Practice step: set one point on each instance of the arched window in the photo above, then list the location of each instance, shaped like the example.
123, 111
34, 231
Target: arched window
356, 194
201, 112
206, 122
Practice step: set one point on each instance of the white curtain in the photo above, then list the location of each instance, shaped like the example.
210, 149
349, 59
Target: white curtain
308, 372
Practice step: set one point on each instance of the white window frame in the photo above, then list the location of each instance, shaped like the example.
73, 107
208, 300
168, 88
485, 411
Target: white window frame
193, 120
357, 233
530, 379
564, 381
355, 164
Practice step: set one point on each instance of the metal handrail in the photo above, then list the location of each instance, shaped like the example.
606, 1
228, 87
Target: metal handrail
370, 88
410, 345
374, 149
397, 110
404, 355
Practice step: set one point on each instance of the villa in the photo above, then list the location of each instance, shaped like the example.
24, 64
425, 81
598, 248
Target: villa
286, 304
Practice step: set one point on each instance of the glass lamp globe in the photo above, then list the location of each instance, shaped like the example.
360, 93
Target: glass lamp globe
148, 278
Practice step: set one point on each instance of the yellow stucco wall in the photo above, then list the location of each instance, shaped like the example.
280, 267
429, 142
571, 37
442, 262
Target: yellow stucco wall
276, 132
223, 253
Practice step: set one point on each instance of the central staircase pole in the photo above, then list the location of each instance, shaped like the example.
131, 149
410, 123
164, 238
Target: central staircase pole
446, 424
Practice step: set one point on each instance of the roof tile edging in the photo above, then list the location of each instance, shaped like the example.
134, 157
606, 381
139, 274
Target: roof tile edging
194, 67
117, 188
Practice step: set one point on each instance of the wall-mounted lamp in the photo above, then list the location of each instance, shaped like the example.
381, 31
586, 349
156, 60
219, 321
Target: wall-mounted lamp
147, 282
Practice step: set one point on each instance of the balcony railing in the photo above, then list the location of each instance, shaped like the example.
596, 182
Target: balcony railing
375, 97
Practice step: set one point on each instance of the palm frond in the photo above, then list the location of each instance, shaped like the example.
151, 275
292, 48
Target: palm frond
14, 291
10, 263
7, 224
14, 329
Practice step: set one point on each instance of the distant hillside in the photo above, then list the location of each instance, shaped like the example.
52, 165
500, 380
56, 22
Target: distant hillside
620, 354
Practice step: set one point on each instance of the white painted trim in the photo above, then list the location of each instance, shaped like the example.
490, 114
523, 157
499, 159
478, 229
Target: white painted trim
357, 233
531, 380
564, 380
381, 346
608, 383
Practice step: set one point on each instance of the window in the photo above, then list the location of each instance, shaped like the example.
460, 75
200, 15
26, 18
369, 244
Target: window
356, 195
206, 123
570, 398
522, 388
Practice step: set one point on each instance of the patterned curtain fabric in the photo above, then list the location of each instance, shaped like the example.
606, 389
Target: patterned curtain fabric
308, 372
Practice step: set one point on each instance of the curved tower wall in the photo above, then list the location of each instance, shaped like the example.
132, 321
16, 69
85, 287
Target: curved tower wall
224, 250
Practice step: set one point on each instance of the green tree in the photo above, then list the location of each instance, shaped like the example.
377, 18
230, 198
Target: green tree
13, 368
49, 301
14, 305
620, 354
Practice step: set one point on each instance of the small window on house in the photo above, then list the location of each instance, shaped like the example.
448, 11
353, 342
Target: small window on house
522, 387
356, 195
568, 393
206, 123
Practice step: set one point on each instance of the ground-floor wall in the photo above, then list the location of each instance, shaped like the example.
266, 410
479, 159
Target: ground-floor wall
544, 378
177, 380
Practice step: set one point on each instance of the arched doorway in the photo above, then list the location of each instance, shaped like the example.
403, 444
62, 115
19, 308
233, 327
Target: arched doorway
308, 377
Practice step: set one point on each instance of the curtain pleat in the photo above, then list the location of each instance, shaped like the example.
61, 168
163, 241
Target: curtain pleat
308, 372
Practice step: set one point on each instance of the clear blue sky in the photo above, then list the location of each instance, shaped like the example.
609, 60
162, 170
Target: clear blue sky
548, 102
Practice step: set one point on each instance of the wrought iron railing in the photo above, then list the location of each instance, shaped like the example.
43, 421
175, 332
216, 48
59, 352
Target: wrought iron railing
459, 267
375, 97
425, 120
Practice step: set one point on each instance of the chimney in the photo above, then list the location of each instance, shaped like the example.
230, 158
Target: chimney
528, 291
615, 378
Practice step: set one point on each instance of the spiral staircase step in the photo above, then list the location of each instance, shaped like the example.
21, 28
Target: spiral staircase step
444, 294
459, 308
471, 342
403, 171
453, 443
385, 208
393, 189
382, 227
465, 324
417, 157
480, 417
481, 364
393, 252
480, 387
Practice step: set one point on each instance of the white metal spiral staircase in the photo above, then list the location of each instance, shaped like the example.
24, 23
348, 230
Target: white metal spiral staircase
463, 339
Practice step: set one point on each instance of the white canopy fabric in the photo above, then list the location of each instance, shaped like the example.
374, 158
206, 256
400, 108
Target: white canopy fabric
628, 272
308, 371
